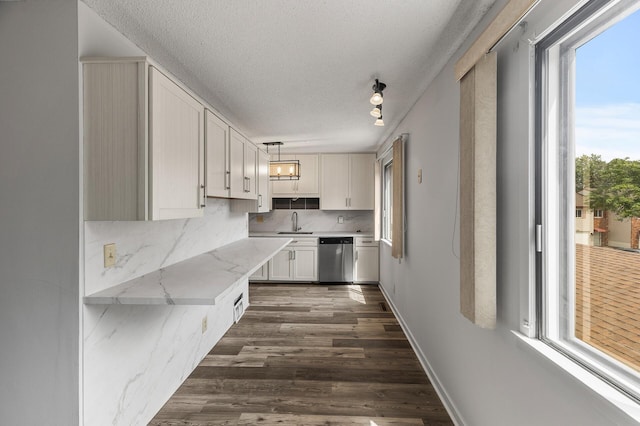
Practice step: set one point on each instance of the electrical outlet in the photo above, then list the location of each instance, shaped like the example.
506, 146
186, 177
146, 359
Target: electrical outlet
259, 218
340, 219
109, 255
204, 324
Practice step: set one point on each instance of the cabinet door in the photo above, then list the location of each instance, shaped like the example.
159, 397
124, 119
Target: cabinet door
176, 141
236, 165
305, 264
366, 264
283, 188
251, 170
262, 274
280, 266
308, 185
217, 154
361, 180
335, 182
264, 199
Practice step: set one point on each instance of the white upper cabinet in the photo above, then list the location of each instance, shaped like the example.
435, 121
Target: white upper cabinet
263, 202
347, 182
217, 154
361, 181
176, 138
143, 143
243, 167
306, 186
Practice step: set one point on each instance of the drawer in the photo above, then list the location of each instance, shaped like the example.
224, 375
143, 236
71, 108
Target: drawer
365, 242
304, 242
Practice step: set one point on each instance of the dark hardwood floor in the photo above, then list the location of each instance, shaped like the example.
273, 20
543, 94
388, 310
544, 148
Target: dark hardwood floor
309, 355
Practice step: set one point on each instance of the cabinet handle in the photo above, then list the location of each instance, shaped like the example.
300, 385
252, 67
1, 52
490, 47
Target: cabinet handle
290, 254
227, 179
259, 200
367, 242
349, 201
356, 255
294, 254
346, 202
203, 204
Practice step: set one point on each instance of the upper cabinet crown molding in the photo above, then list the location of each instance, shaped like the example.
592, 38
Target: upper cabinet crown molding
143, 143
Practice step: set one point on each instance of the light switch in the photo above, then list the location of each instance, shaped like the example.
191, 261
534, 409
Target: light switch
340, 219
419, 175
109, 255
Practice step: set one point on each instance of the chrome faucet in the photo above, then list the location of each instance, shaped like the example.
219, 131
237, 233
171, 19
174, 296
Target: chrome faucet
294, 219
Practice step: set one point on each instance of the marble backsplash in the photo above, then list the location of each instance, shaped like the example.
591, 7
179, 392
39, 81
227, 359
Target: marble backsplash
313, 220
146, 246
135, 356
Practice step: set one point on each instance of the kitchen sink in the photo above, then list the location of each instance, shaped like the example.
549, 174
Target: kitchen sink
295, 232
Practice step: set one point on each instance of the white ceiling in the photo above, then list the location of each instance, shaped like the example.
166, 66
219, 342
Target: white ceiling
300, 71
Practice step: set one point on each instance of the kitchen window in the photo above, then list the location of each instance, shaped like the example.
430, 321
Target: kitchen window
387, 200
588, 133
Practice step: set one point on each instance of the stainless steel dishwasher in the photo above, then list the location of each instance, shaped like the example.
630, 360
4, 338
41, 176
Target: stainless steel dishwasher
335, 262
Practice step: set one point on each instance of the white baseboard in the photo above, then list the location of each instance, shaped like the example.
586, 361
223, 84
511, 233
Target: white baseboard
433, 377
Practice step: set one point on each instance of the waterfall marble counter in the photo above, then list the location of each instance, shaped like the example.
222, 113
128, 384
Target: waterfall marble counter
200, 280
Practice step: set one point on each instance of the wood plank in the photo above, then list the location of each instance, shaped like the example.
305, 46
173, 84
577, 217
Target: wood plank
294, 369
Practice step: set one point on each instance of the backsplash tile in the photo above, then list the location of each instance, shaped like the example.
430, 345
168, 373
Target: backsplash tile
313, 220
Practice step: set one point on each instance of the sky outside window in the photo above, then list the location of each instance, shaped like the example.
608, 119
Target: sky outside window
608, 92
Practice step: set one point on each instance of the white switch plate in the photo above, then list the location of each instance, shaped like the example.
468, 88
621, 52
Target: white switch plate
109, 255
204, 324
340, 219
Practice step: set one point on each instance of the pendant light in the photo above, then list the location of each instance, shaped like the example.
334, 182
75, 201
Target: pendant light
282, 169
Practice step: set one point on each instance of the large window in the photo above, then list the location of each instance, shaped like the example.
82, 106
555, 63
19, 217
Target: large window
588, 121
387, 200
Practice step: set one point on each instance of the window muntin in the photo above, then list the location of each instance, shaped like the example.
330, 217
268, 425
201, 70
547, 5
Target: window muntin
387, 200
572, 298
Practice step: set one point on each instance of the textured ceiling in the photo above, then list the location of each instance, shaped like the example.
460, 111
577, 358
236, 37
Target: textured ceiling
300, 71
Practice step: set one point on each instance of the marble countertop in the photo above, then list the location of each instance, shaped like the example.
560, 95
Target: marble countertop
200, 280
313, 235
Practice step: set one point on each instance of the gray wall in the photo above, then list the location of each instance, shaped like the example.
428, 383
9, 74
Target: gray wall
39, 218
491, 378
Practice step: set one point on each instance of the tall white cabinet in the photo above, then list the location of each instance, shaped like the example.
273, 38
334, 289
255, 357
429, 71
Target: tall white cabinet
143, 143
347, 181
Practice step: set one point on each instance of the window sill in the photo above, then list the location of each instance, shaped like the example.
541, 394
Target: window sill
627, 405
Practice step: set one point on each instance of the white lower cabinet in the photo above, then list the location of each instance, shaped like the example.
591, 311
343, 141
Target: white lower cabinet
296, 262
262, 274
366, 261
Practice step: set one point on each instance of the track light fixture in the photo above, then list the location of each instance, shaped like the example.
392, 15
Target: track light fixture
376, 98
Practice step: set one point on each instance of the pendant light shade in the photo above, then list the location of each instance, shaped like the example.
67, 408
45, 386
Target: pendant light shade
379, 122
376, 111
376, 98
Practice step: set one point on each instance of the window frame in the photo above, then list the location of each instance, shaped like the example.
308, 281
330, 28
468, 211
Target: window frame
554, 198
598, 213
387, 199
